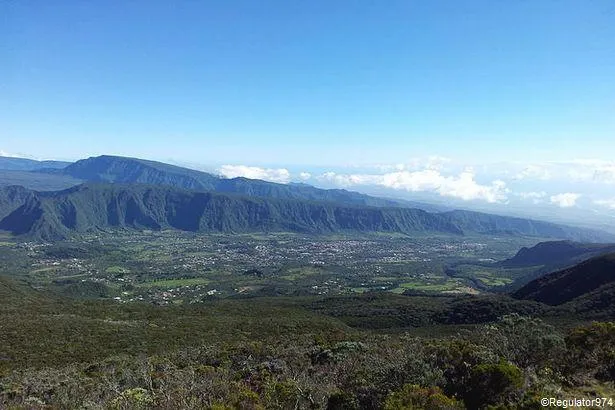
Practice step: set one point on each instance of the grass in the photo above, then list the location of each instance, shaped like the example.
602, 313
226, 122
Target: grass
117, 269
435, 287
298, 273
174, 283
360, 290
47, 269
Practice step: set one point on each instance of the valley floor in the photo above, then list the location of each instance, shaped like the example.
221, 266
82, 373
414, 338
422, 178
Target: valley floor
131, 322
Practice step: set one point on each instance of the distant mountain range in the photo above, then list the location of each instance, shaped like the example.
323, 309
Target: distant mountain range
97, 207
125, 192
24, 164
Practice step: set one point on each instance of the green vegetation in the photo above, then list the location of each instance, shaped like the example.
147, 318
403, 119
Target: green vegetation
596, 274
281, 353
288, 320
138, 266
170, 283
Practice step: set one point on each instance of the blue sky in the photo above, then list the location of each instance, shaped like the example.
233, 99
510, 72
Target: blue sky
314, 82
496, 101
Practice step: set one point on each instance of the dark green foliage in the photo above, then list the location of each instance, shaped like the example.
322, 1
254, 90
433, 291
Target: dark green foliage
593, 350
564, 286
494, 384
524, 340
547, 257
412, 397
481, 309
253, 354
383, 310
598, 304
556, 253
456, 358
287, 353
342, 401
87, 289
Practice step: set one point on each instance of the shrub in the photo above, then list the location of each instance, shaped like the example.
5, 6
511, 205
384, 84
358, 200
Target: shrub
592, 351
525, 341
136, 398
416, 397
494, 384
342, 401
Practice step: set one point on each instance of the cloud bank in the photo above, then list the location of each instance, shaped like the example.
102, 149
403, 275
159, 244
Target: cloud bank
567, 200
608, 203
576, 183
462, 186
280, 175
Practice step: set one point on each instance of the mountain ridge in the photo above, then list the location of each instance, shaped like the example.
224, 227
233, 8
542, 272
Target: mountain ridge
101, 206
91, 207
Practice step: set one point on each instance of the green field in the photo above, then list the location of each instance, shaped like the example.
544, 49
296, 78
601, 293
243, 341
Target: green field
174, 283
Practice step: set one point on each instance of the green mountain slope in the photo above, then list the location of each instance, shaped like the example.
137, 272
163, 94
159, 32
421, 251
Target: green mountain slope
547, 257
556, 253
94, 207
11, 198
568, 284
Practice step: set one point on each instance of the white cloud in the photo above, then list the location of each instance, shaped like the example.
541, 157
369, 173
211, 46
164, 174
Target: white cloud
535, 197
534, 172
280, 175
592, 170
575, 170
8, 154
435, 162
566, 200
532, 195
305, 175
608, 203
462, 186
347, 180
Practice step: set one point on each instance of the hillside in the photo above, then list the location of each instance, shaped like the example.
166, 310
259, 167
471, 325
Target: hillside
571, 283
555, 253
94, 207
11, 198
24, 164
489, 224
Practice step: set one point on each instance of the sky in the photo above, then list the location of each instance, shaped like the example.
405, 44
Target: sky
514, 97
